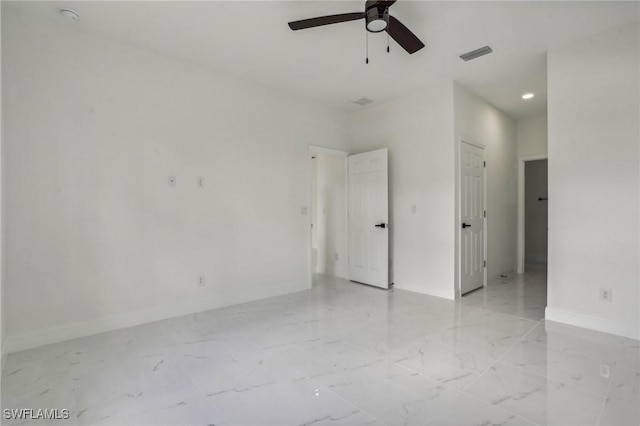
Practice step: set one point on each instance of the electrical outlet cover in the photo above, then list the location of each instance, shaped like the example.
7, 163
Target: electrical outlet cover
605, 294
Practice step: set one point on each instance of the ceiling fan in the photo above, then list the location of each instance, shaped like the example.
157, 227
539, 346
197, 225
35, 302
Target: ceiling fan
377, 19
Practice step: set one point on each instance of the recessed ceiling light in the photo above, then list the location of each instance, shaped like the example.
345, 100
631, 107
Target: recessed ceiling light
70, 14
528, 96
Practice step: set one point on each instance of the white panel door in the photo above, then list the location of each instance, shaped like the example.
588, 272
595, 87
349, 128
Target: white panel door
369, 218
472, 217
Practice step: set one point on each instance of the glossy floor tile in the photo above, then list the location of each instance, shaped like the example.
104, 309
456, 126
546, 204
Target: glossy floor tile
341, 354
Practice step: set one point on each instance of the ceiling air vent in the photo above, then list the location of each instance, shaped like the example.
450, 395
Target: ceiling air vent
363, 101
476, 53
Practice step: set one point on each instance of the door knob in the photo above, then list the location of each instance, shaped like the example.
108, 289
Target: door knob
466, 225
381, 225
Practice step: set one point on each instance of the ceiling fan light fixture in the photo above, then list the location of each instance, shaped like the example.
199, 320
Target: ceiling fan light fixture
528, 96
376, 26
377, 19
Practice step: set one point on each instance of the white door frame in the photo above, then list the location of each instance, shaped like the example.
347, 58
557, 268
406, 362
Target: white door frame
521, 218
317, 149
458, 216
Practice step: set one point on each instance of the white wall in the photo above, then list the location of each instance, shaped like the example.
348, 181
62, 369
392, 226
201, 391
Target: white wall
3, 333
417, 130
478, 122
422, 138
331, 221
594, 185
95, 238
532, 136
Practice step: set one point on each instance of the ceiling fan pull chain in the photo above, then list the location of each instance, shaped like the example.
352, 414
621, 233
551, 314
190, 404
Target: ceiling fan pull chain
388, 43
367, 46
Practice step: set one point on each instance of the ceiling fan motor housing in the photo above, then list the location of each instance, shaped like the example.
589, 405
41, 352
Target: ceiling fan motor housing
376, 16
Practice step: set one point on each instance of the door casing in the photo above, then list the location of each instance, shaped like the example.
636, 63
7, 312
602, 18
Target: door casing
316, 149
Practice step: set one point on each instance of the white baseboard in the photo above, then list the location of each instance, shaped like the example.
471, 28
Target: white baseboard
110, 323
619, 328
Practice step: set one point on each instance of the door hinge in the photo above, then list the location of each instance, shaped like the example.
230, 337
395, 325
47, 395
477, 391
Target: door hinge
484, 164
485, 213
485, 263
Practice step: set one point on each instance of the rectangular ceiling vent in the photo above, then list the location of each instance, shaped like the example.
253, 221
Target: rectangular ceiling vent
363, 101
476, 53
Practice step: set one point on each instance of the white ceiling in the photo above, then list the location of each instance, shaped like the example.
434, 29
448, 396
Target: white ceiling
252, 40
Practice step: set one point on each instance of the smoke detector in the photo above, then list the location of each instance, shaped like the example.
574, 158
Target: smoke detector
70, 14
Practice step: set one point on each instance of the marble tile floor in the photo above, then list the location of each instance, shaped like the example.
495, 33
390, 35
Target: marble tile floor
341, 354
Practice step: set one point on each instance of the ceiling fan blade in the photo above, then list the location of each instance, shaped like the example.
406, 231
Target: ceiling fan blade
325, 20
403, 36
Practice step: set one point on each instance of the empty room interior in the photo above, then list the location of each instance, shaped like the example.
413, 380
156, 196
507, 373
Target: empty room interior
320, 212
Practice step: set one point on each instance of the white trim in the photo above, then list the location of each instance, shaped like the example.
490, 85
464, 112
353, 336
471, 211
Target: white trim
619, 328
310, 220
110, 323
458, 215
346, 216
317, 149
477, 145
520, 246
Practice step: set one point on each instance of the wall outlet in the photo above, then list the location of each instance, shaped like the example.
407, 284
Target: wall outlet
201, 280
335, 256
303, 210
171, 181
605, 295
414, 208
200, 182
